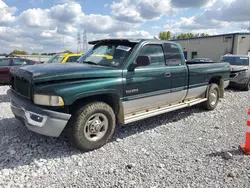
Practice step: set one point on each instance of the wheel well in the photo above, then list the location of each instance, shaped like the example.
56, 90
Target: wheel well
219, 81
111, 99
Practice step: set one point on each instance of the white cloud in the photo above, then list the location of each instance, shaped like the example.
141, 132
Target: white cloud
96, 23
6, 13
141, 10
190, 3
229, 10
195, 23
156, 27
133, 34
67, 12
36, 18
55, 28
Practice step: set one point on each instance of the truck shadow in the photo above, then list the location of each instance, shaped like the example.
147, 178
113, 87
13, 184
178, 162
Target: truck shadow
4, 98
19, 146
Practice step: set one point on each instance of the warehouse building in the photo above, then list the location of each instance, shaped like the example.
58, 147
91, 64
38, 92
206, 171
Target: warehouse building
215, 46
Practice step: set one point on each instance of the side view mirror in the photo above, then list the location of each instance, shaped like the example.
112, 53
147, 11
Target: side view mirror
140, 62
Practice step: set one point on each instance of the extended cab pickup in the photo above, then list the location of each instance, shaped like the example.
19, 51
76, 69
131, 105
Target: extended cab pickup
117, 81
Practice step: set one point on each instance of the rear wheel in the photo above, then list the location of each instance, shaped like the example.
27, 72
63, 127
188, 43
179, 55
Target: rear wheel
212, 98
92, 126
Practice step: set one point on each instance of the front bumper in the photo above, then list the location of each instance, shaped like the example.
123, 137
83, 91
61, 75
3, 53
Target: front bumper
238, 85
36, 118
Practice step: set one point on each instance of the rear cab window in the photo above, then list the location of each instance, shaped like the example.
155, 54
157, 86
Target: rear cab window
172, 54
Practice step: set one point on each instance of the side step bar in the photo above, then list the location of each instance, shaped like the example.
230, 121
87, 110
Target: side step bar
161, 110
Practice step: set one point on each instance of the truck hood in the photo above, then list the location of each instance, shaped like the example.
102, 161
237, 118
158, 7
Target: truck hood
61, 71
235, 68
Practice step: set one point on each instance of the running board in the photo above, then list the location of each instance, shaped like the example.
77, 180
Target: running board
161, 110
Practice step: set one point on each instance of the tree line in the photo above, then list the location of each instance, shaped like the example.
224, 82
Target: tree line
166, 35
22, 52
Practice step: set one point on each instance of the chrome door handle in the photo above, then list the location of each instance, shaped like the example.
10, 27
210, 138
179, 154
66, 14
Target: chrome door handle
167, 74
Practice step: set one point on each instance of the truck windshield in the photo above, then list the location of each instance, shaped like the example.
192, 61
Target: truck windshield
55, 59
110, 54
240, 61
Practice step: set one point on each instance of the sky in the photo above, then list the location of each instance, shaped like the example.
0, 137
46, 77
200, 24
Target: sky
52, 25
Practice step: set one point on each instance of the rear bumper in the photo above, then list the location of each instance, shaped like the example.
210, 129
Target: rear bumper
37, 119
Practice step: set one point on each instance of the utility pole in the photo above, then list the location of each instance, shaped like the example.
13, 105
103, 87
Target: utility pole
84, 41
78, 49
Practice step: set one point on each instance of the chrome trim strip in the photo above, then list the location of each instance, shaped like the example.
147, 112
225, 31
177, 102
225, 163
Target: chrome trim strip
149, 102
153, 112
196, 92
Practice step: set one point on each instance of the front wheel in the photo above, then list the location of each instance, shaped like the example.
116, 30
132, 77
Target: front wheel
212, 98
91, 126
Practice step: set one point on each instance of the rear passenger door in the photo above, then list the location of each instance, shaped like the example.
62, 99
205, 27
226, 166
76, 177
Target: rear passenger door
150, 85
4, 70
179, 71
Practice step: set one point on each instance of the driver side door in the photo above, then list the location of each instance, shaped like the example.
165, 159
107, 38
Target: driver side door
149, 85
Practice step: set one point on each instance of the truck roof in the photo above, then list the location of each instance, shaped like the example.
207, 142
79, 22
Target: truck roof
129, 41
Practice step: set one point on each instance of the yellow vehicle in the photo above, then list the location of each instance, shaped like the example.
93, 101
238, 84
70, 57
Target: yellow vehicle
63, 58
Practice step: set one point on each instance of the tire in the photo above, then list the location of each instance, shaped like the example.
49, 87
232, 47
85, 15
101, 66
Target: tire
91, 126
212, 98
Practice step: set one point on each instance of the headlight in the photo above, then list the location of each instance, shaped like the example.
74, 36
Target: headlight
243, 72
48, 100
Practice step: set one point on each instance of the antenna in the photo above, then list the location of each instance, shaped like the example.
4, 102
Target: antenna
78, 42
84, 41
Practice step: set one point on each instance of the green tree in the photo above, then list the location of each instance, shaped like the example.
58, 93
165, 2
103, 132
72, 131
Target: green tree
19, 52
34, 53
204, 34
67, 51
164, 35
168, 35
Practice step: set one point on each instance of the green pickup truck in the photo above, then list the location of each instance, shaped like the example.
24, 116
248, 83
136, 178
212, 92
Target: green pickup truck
115, 82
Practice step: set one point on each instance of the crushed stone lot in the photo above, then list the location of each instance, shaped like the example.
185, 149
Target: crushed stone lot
185, 148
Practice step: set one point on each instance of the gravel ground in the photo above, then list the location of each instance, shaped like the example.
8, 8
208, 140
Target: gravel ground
186, 148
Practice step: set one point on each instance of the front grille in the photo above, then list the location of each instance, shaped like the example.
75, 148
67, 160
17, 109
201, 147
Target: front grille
21, 86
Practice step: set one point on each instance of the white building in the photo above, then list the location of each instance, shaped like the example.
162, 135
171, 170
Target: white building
215, 46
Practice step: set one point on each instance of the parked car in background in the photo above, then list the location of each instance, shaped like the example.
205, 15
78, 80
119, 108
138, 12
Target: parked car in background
240, 70
8, 62
118, 81
200, 60
63, 58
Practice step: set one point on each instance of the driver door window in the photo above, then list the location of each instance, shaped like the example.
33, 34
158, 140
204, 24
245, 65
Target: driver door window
155, 53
